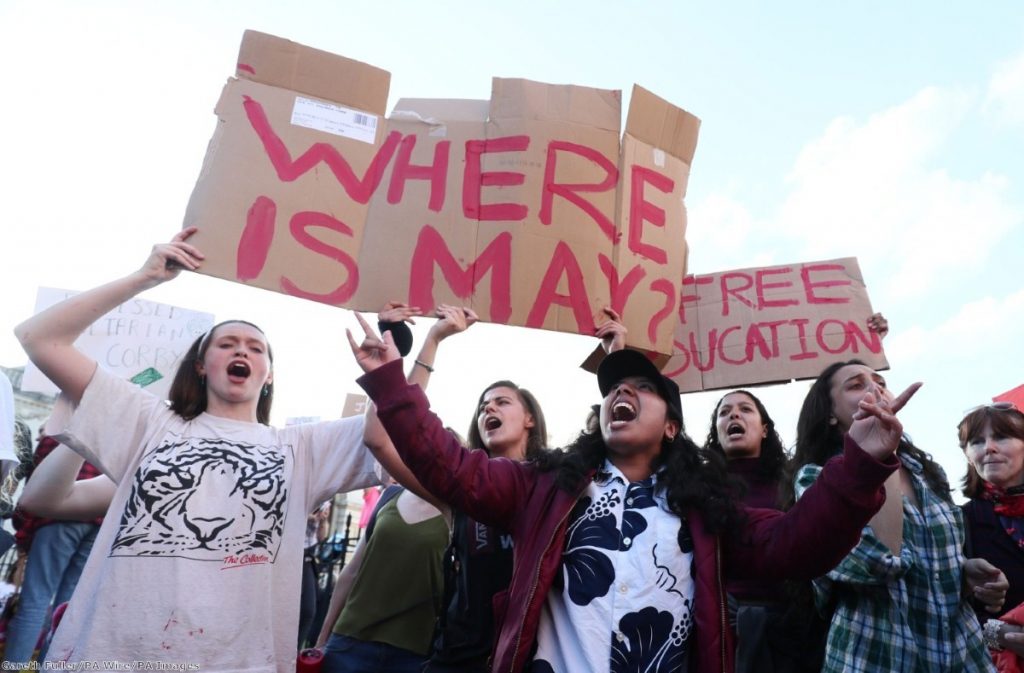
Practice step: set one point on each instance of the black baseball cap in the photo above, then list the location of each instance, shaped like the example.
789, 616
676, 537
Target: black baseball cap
627, 362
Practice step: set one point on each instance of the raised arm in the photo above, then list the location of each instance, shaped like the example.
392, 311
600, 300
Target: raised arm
451, 320
611, 332
486, 489
342, 588
48, 337
52, 490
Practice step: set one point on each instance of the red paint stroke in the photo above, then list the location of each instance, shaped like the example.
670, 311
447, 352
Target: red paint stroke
431, 250
569, 191
563, 264
474, 179
666, 287
810, 286
685, 299
299, 226
359, 189
641, 210
257, 237
620, 290
436, 173
746, 282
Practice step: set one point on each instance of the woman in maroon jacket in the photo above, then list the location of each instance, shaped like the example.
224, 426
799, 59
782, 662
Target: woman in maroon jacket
624, 540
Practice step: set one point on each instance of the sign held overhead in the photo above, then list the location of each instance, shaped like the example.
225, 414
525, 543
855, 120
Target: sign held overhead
534, 208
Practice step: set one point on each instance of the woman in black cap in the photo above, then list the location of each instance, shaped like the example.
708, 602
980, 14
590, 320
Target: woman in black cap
624, 540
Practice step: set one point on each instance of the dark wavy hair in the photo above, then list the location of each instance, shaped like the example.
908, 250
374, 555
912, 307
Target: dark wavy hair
536, 442
818, 438
188, 390
771, 463
1004, 422
694, 478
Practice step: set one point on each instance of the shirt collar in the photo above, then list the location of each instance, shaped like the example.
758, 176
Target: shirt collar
609, 473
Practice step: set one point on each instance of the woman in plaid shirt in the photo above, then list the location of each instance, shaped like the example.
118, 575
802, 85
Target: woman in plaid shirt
898, 597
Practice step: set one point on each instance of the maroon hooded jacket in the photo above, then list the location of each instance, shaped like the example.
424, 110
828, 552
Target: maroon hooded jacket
804, 543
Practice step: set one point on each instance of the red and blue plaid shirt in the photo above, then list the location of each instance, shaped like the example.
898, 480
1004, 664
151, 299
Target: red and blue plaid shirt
25, 524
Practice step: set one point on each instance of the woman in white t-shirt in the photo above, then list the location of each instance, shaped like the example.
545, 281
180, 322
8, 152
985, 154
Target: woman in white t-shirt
198, 561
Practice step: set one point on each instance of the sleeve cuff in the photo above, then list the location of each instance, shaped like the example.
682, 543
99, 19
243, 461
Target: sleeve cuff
865, 469
383, 381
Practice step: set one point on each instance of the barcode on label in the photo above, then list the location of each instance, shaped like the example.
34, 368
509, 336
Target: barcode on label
334, 119
364, 120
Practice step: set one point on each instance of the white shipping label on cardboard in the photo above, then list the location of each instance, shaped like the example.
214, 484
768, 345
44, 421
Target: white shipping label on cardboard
334, 119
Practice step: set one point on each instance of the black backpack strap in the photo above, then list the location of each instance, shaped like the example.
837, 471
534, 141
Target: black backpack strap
389, 494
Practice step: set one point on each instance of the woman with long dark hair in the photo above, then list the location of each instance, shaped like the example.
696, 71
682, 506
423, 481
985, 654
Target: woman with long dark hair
624, 540
199, 558
508, 423
743, 432
898, 599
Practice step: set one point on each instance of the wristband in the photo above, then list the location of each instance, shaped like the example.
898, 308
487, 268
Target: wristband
424, 365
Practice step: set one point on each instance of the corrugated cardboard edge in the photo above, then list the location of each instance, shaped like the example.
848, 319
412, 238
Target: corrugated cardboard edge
289, 65
517, 98
655, 121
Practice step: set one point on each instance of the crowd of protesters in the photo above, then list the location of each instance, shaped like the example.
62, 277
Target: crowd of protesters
184, 527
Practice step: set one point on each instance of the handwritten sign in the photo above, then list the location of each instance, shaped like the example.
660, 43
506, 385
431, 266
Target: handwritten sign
762, 325
527, 207
140, 340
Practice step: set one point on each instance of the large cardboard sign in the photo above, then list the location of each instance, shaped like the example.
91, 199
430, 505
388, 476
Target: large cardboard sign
529, 207
142, 341
763, 325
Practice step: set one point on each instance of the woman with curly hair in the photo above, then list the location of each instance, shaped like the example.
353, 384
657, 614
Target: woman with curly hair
625, 539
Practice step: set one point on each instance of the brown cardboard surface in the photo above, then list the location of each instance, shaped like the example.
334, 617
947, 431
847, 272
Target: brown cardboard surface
657, 150
285, 64
755, 326
770, 324
415, 220
521, 206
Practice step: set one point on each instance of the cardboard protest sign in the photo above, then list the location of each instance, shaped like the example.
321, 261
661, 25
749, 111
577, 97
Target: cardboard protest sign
142, 341
355, 405
527, 207
763, 325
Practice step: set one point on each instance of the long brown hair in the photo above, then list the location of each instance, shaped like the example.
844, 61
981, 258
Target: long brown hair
818, 439
538, 434
188, 390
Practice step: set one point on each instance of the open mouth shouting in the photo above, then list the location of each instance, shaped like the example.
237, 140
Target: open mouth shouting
240, 370
622, 412
735, 430
491, 423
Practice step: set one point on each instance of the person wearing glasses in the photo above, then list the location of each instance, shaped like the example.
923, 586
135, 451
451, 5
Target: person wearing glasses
992, 438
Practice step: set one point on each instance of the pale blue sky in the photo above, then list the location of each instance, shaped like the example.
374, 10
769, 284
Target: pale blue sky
888, 131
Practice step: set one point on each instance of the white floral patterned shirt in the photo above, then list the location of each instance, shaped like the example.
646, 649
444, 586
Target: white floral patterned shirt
624, 598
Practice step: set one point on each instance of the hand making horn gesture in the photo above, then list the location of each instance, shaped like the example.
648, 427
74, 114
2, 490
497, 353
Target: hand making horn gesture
374, 351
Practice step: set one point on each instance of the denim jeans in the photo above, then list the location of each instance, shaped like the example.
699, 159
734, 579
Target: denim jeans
350, 655
55, 561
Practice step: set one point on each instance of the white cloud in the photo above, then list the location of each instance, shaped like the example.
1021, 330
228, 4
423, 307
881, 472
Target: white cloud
988, 325
1005, 98
871, 190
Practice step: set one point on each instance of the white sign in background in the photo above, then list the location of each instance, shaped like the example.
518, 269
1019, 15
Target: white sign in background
142, 341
